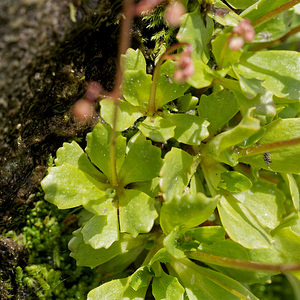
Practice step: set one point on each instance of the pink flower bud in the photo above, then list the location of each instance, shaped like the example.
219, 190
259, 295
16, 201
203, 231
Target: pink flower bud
236, 43
146, 5
83, 110
245, 30
93, 90
173, 13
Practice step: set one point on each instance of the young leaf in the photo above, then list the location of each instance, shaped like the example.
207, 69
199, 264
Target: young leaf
220, 147
287, 159
294, 190
224, 56
98, 148
261, 8
87, 256
73, 154
218, 109
167, 88
188, 210
127, 114
67, 187
223, 15
282, 78
157, 129
136, 87
136, 212
117, 289
189, 129
202, 283
239, 227
234, 182
167, 287
176, 173
142, 162
194, 31
133, 60
265, 201
102, 231
140, 278
241, 4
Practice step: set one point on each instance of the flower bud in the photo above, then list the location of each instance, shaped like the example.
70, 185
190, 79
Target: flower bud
173, 13
93, 90
83, 110
236, 43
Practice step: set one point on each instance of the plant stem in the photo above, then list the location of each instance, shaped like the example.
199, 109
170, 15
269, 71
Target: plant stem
116, 92
274, 13
241, 264
151, 103
259, 149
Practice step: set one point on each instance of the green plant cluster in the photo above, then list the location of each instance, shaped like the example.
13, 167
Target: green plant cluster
203, 196
50, 273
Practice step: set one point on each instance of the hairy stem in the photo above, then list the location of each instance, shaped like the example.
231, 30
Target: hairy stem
124, 43
241, 264
274, 13
259, 149
152, 104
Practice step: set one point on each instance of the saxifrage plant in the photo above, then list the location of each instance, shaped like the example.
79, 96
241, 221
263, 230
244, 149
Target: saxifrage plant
192, 174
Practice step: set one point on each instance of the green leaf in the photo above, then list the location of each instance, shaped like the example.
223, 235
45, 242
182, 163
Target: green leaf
167, 88
218, 109
194, 31
176, 173
102, 231
140, 278
117, 289
67, 187
202, 283
198, 33
167, 287
73, 154
261, 8
229, 19
202, 77
136, 212
98, 148
294, 190
287, 242
274, 28
189, 129
265, 201
157, 129
151, 187
127, 114
133, 60
224, 56
186, 102
241, 4
282, 78
220, 147
239, 227
227, 248
234, 182
142, 162
136, 87
188, 210
87, 256
286, 160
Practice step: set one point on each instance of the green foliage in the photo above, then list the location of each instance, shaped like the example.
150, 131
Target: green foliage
214, 179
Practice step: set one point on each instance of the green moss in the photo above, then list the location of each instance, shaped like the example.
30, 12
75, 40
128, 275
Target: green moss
50, 272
